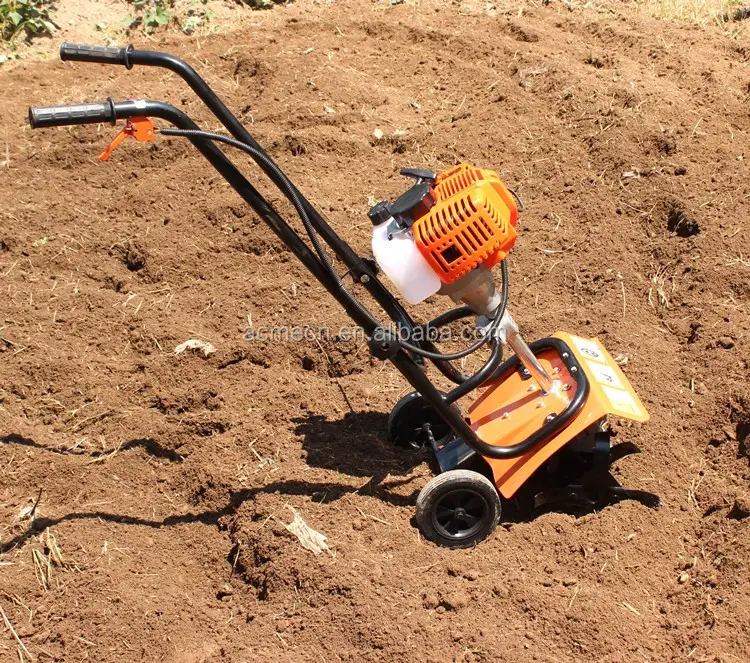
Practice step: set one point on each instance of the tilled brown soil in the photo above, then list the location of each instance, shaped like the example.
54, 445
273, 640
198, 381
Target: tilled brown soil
158, 534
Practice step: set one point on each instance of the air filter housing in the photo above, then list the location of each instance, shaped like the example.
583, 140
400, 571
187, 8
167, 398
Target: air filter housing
472, 223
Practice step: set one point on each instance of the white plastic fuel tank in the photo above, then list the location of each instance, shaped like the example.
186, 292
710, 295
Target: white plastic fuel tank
401, 261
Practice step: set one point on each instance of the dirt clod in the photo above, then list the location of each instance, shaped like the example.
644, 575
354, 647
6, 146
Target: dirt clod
725, 342
666, 144
740, 509
456, 600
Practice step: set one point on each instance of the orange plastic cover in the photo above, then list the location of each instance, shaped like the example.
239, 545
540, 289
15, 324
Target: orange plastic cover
509, 411
472, 223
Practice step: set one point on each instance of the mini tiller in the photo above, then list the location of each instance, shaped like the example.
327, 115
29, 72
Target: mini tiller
541, 415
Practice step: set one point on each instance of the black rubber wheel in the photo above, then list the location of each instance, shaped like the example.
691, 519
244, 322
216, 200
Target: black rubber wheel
412, 422
458, 509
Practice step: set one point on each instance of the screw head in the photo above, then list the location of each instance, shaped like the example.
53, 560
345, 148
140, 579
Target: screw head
566, 387
565, 355
540, 404
364, 278
574, 369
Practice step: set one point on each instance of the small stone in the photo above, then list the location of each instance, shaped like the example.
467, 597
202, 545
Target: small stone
471, 575
430, 601
569, 582
740, 509
725, 342
440, 609
683, 577
358, 524
378, 134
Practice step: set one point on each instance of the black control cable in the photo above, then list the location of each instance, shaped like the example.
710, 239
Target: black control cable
260, 157
488, 335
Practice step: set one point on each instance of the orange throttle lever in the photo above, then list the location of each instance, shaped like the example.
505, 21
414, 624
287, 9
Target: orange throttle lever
140, 128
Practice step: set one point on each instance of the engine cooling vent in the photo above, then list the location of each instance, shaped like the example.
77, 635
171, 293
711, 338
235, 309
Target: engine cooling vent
472, 223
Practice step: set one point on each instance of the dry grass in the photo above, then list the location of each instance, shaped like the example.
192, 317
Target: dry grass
661, 286
47, 560
697, 11
23, 653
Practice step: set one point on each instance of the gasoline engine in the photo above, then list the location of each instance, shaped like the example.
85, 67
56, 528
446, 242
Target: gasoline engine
444, 235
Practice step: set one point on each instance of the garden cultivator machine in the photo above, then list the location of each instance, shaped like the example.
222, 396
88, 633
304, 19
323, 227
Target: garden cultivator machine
541, 414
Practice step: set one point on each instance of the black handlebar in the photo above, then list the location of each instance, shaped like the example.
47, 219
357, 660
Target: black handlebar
41, 117
100, 54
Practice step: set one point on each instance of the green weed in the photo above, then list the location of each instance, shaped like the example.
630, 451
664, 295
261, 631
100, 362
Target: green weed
151, 14
30, 18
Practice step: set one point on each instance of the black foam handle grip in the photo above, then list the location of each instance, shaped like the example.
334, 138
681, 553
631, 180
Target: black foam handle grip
59, 116
100, 54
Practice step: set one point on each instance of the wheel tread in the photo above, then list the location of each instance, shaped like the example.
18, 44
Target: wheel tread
432, 490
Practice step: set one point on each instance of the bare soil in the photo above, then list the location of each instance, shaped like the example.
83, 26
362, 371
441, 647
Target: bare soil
157, 530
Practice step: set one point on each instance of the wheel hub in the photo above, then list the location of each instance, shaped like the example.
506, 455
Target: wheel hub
460, 513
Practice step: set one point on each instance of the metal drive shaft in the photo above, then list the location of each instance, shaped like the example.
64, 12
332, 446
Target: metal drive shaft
510, 334
529, 360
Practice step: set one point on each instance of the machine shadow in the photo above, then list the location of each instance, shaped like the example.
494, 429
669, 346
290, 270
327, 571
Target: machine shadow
149, 445
330, 491
346, 446
356, 445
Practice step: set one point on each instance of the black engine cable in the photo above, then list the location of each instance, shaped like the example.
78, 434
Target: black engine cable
488, 335
285, 185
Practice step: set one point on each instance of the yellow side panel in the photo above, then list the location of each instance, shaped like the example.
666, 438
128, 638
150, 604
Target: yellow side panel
606, 377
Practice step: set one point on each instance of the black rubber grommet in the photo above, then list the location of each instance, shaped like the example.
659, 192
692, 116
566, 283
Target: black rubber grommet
128, 63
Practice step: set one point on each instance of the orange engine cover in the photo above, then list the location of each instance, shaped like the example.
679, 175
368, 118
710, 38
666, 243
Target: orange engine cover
472, 223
